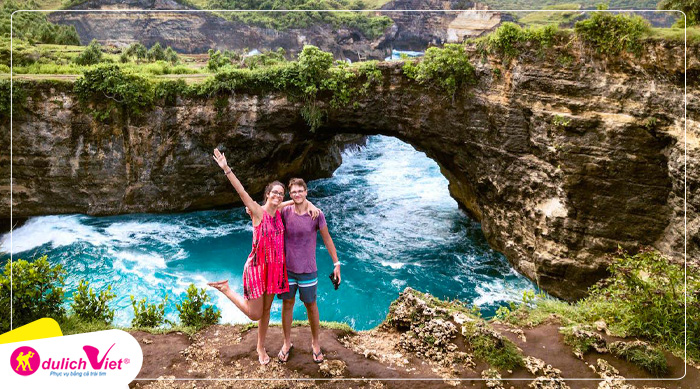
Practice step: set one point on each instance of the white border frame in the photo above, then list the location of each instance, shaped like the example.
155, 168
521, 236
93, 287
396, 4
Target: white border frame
685, 178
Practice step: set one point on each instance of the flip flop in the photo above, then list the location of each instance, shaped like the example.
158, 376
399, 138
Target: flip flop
283, 357
316, 355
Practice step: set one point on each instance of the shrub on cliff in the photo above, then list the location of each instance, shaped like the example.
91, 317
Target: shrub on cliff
691, 8
171, 56
446, 68
610, 33
148, 315
193, 312
111, 87
89, 306
136, 50
37, 292
508, 39
644, 297
91, 55
34, 27
156, 53
218, 60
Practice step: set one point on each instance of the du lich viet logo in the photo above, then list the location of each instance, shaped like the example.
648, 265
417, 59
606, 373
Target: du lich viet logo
105, 358
25, 361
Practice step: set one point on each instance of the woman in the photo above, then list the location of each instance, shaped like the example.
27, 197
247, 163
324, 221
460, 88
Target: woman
265, 271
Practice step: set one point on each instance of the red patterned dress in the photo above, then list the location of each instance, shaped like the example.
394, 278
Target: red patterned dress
265, 271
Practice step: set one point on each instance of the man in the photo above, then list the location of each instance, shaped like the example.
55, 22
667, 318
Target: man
300, 253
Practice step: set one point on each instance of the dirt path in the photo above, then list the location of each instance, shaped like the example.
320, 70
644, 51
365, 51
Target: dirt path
228, 353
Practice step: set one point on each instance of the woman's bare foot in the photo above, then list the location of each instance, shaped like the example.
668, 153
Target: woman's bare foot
263, 358
221, 286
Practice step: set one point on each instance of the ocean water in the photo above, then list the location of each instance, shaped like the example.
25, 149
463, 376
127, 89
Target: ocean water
388, 210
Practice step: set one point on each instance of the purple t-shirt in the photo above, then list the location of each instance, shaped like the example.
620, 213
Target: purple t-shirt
300, 240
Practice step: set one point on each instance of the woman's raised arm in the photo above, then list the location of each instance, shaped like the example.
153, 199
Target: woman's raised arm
254, 207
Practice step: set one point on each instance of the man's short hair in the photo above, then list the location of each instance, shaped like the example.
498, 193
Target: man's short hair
297, 182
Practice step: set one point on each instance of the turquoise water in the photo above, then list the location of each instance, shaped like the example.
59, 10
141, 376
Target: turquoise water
389, 213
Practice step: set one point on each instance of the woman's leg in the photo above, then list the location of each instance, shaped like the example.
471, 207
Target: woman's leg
251, 308
262, 328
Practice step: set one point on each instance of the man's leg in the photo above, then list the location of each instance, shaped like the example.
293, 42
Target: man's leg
287, 314
315, 324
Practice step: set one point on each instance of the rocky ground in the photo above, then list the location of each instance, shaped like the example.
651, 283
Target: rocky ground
421, 344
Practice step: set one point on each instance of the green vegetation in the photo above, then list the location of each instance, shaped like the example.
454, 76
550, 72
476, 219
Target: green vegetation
640, 354
677, 34
91, 55
446, 68
371, 26
148, 315
37, 289
561, 121
34, 27
555, 17
691, 8
584, 4
135, 51
192, 310
611, 34
491, 347
72, 324
89, 307
122, 89
643, 297
509, 40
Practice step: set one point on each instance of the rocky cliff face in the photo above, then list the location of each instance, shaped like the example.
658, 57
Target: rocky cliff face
196, 32
561, 160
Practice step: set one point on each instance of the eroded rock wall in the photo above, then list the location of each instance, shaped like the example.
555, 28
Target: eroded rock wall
198, 31
561, 159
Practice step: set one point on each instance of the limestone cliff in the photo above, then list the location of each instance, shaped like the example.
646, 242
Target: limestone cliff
196, 32
560, 159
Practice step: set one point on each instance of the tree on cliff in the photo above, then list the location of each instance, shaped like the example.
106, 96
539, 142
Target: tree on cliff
156, 53
91, 55
691, 8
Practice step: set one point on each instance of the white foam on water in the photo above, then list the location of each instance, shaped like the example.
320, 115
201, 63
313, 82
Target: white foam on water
143, 265
493, 292
393, 265
180, 254
398, 284
59, 230
130, 233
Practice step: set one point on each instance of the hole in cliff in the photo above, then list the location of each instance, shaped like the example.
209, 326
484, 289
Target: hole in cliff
395, 225
389, 212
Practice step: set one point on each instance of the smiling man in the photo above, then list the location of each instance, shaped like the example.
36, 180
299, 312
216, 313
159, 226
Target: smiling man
300, 253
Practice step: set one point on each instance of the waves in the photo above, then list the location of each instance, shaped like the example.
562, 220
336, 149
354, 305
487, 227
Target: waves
389, 213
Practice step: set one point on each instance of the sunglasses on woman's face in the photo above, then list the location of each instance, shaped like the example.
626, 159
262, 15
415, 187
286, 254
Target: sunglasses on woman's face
276, 193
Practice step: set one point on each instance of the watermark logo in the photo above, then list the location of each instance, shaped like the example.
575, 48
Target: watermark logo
109, 358
25, 361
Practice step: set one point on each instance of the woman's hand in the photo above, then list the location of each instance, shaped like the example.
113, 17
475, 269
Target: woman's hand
313, 211
220, 158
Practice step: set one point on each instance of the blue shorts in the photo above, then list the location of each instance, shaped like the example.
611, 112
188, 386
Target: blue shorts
305, 282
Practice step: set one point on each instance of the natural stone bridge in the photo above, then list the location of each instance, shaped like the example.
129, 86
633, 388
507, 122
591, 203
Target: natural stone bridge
560, 163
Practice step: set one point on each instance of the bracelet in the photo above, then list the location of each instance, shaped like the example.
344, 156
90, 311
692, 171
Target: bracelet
337, 263
227, 172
